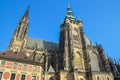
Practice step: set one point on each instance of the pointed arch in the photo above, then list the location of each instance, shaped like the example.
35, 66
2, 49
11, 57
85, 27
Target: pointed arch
81, 78
51, 78
77, 60
108, 78
98, 78
21, 32
37, 57
94, 62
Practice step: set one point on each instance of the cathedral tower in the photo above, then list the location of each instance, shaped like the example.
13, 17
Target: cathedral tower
74, 58
71, 46
21, 34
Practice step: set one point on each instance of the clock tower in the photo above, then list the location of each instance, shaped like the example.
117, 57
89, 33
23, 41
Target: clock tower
71, 43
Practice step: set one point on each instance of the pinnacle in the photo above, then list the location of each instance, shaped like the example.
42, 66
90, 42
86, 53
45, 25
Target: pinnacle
79, 20
27, 12
25, 17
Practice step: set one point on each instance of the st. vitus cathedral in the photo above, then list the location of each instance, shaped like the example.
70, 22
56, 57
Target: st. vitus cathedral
73, 58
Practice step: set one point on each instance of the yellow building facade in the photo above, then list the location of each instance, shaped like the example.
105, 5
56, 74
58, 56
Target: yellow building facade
13, 68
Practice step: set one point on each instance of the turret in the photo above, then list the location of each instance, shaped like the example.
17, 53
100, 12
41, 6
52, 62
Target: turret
21, 34
69, 14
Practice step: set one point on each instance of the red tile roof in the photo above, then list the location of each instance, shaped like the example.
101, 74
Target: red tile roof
18, 56
14, 55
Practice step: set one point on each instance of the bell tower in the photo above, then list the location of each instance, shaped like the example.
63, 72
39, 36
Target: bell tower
71, 46
21, 34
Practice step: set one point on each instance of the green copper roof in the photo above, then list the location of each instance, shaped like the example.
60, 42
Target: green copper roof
69, 14
79, 20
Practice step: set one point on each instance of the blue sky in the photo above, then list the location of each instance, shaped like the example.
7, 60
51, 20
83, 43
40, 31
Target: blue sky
101, 20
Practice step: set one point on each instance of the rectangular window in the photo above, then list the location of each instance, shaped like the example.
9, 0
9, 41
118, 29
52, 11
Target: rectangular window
1, 75
23, 77
33, 77
34, 67
24, 66
12, 76
3, 62
15, 65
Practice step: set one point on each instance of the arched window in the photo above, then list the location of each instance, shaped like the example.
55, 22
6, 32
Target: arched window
51, 78
94, 62
81, 78
107, 78
98, 78
77, 60
37, 58
21, 33
18, 31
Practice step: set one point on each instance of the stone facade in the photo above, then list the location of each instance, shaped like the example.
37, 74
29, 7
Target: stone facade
74, 58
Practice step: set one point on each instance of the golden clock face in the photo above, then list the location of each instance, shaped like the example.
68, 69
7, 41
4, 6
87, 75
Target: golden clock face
74, 32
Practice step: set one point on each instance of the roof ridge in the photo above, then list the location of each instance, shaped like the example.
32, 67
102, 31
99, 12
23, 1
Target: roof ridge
42, 40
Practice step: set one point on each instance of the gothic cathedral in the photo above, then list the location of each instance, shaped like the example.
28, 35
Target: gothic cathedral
74, 58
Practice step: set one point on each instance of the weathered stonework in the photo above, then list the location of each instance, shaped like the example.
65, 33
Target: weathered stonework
74, 58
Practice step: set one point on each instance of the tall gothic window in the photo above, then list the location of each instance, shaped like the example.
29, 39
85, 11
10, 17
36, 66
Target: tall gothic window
18, 31
37, 58
94, 62
21, 33
77, 60
107, 78
51, 78
98, 78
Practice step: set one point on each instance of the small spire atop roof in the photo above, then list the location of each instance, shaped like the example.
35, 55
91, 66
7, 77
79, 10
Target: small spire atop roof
69, 13
51, 69
79, 20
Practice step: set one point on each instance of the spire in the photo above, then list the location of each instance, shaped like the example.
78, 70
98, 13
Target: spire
69, 14
23, 25
20, 36
79, 20
27, 12
25, 18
